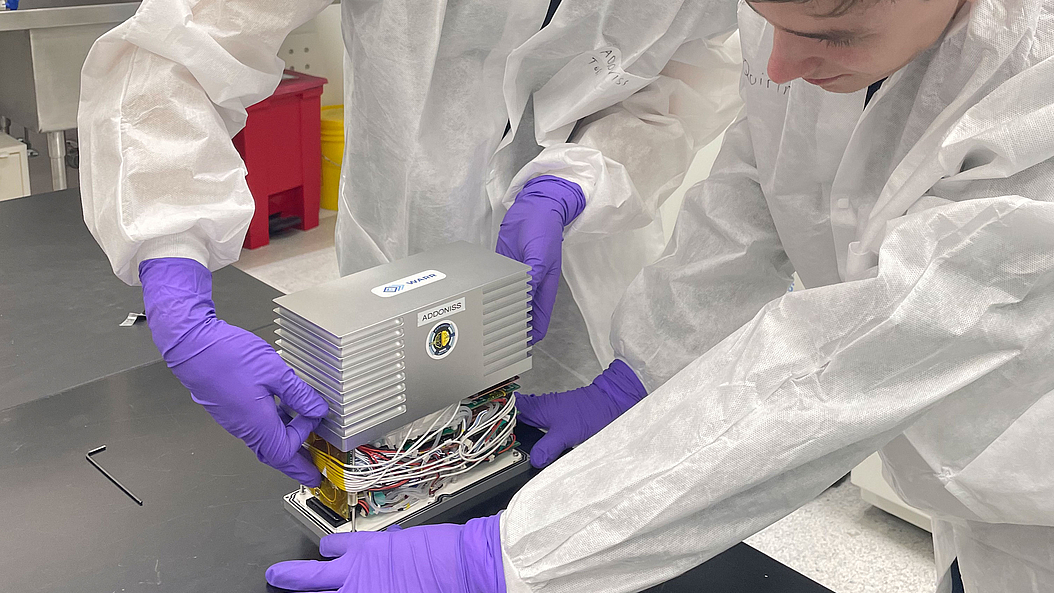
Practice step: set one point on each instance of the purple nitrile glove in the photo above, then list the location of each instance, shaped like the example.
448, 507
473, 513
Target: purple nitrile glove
229, 371
426, 559
573, 416
533, 231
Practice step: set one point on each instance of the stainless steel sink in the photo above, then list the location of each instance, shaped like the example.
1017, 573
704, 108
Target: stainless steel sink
44, 45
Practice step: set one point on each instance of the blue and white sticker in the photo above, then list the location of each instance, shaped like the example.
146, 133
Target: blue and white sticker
441, 339
409, 283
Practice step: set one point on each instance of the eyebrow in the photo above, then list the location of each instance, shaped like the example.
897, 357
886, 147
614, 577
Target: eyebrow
828, 34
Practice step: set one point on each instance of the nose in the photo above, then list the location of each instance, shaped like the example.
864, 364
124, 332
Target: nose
792, 57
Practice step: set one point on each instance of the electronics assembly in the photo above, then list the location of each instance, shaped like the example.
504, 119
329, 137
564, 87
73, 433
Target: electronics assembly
417, 360
212, 516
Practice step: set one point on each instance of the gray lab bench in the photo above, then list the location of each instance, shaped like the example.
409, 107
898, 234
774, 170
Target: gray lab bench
61, 305
212, 518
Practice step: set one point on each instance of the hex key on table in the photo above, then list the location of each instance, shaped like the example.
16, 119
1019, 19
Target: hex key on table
108, 476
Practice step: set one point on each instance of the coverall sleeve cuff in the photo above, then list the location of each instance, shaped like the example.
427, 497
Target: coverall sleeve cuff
513, 582
570, 162
612, 202
186, 245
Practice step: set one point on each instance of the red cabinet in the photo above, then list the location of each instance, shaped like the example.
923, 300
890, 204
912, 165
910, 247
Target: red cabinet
282, 152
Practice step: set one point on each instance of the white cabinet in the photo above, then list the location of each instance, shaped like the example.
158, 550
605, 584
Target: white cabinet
875, 490
14, 168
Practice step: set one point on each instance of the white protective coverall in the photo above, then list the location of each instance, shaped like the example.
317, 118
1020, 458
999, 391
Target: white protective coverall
923, 226
434, 85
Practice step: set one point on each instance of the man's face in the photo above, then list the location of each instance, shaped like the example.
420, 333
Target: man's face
848, 52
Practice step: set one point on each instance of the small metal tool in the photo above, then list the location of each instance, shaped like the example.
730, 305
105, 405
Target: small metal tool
137, 500
132, 319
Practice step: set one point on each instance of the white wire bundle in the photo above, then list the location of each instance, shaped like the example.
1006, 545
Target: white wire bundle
455, 454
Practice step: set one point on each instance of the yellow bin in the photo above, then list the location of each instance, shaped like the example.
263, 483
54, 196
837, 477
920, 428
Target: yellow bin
332, 154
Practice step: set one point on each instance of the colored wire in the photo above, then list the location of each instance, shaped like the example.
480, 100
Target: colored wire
480, 429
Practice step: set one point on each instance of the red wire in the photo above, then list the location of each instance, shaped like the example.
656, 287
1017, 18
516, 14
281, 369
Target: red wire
388, 487
511, 445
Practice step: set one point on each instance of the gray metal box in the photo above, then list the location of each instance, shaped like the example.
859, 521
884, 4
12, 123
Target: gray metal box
394, 343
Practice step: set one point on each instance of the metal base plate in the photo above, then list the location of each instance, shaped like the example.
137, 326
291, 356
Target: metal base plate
461, 489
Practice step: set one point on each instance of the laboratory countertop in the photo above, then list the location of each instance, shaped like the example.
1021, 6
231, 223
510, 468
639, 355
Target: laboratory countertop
61, 305
212, 517
51, 14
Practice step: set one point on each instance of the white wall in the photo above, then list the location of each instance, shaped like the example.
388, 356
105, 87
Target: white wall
331, 44
317, 48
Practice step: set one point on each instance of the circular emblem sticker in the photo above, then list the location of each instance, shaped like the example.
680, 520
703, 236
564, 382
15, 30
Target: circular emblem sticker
442, 339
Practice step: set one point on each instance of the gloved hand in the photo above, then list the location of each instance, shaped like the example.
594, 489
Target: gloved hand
227, 369
533, 231
426, 559
573, 416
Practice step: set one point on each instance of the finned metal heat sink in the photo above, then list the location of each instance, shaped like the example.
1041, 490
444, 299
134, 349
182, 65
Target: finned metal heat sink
392, 344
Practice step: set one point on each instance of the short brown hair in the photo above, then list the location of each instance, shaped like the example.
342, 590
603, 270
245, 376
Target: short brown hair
843, 6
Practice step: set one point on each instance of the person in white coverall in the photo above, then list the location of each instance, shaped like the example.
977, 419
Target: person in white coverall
898, 155
454, 107
464, 116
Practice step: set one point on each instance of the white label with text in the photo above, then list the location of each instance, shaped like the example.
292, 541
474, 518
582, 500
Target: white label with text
437, 313
409, 283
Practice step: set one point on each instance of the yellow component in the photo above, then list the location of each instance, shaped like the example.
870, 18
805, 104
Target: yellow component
313, 440
441, 339
331, 492
339, 501
332, 154
330, 468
